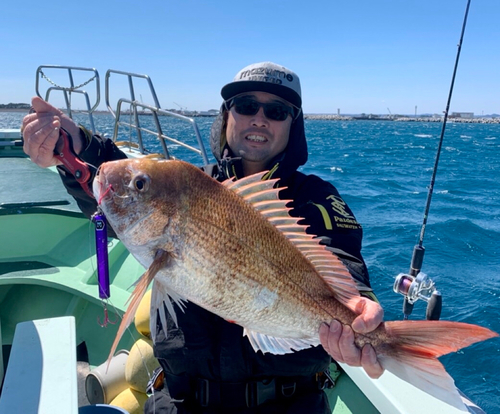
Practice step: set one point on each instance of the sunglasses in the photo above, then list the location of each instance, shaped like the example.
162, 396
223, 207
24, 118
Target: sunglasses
276, 111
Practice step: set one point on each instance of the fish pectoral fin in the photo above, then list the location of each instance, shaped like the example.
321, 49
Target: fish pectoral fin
161, 260
279, 346
162, 298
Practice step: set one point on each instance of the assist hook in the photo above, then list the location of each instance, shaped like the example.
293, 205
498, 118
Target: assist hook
106, 319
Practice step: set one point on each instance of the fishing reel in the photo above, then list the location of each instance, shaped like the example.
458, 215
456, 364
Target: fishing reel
418, 287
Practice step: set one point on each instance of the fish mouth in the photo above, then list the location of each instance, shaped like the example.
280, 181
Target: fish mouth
101, 187
97, 185
104, 190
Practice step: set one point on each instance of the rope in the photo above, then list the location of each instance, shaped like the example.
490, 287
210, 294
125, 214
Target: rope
74, 88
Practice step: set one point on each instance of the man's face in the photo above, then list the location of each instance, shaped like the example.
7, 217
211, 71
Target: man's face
256, 138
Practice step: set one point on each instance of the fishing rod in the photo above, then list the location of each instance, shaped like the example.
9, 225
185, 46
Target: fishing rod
417, 285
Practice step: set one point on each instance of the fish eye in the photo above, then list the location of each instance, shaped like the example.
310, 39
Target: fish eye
141, 182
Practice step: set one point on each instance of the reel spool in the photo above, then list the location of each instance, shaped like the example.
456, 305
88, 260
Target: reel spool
418, 287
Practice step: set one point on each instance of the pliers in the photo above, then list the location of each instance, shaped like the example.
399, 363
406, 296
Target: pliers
65, 153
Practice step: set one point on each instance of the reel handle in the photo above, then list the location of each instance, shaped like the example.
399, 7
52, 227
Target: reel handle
434, 306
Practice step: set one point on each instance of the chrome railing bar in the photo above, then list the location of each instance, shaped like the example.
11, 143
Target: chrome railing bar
200, 151
71, 89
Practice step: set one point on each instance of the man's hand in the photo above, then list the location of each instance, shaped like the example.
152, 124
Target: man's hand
338, 339
41, 132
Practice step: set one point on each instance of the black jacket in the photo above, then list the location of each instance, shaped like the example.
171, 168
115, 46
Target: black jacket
205, 347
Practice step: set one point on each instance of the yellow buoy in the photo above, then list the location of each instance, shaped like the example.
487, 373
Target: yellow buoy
141, 363
142, 315
130, 400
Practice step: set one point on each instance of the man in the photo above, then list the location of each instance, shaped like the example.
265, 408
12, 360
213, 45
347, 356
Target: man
208, 365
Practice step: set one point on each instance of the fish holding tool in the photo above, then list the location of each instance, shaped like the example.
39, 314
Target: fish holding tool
65, 153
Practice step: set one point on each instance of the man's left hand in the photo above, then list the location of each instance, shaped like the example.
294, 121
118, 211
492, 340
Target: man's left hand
338, 339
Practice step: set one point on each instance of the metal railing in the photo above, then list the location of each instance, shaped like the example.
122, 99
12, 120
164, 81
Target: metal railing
137, 108
71, 88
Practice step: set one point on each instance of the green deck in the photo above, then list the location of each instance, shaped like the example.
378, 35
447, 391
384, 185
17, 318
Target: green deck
47, 259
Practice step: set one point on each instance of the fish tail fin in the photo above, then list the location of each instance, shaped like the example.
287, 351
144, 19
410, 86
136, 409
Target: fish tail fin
416, 346
136, 296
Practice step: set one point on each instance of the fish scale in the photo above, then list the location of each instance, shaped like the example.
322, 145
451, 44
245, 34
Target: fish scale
237, 265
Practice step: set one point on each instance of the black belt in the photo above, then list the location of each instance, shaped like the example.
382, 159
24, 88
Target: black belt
249, 394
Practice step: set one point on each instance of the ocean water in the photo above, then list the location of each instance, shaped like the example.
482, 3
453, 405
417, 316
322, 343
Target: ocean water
383, 170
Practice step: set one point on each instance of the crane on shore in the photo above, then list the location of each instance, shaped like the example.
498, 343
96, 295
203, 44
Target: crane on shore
182, 109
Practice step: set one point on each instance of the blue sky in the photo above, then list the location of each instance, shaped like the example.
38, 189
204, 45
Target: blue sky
353, 55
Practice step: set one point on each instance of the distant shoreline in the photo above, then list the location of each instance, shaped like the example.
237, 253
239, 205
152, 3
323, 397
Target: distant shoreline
333, 117
26, 110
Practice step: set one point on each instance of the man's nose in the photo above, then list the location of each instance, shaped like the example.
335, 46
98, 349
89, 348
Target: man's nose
260, 118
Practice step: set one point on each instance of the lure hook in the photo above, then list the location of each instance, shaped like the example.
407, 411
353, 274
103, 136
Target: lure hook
106, 320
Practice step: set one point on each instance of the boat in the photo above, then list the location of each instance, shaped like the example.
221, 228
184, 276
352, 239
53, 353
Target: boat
50, 306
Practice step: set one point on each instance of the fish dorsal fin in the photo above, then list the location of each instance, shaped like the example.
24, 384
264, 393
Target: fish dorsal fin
250, 179
262, 195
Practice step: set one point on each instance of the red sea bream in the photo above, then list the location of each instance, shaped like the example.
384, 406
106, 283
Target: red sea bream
233, 249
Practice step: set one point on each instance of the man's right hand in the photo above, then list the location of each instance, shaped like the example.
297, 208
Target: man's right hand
41, 132
338, 339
